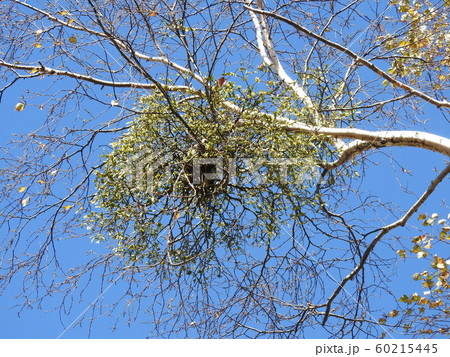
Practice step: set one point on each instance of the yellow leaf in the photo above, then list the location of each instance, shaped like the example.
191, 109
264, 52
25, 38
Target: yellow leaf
19, 107
401, 253
152, 13
442, 77
37, 45
69, 21
73, 39
63, 13
25, 201
34, 70
22, 189
67, 207
393, 313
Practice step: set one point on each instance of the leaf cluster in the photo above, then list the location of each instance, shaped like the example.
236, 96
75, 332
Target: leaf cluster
153, 211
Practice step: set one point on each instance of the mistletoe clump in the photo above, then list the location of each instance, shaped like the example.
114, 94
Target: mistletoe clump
191, 178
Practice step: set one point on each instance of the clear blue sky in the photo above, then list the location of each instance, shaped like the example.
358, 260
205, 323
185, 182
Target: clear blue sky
47, 322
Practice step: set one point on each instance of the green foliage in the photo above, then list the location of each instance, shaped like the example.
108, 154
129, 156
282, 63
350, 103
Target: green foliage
151, 210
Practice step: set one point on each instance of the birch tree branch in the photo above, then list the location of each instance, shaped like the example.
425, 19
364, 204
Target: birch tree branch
359, 60
365, 139
271, 59
158, 59
42, 70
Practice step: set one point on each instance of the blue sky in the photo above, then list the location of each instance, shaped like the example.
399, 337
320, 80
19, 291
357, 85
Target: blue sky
47, 322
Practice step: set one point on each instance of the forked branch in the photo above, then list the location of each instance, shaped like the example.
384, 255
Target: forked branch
359, 60
384, 230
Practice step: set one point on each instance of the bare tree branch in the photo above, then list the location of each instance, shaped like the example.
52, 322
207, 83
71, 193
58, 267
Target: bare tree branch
383, 231
359, 60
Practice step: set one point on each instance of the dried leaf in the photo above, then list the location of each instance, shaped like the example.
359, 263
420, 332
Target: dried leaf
422, 254
393, 313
